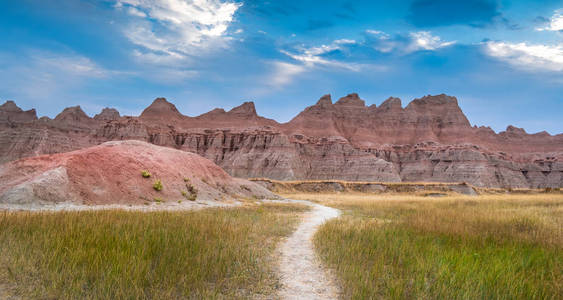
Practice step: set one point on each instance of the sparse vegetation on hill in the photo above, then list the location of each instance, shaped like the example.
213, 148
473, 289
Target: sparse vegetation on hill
214, 253
452, 247
191, 193
157, 186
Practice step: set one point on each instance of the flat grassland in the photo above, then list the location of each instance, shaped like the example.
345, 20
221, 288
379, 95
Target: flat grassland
115, 254
454, 247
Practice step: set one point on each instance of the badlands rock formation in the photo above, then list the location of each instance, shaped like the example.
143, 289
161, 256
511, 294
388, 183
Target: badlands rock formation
110, 173
428, 140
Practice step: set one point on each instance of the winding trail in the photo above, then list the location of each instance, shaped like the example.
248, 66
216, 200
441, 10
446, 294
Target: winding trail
302, 274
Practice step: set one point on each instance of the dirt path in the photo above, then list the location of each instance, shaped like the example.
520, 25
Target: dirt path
302, 275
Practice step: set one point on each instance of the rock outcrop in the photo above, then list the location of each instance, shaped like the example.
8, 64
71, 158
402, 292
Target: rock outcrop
107, 114
161, 110
428, 140
11, 113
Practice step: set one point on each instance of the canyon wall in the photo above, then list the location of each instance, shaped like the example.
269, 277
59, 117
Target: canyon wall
428, 140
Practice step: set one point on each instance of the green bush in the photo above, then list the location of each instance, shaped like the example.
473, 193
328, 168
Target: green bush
157, 185
145, 174
158, 200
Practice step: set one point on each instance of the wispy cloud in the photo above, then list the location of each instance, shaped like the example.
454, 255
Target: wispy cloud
315, 56
75, 65
284, 73
528, 56
404, 44
324, 56
555, 23
174, 30
39, 75
424, 40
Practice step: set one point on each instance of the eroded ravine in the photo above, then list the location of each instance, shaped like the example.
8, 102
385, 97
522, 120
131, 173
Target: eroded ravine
302, 275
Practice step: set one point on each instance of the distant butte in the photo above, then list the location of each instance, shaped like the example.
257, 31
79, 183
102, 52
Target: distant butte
430, 139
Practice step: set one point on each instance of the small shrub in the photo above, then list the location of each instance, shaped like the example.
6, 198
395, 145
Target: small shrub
146, 174
157, 186
191, 194
158, 200
186, 179
191, 189
179, 201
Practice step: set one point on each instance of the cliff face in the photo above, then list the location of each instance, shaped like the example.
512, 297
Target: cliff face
428, 140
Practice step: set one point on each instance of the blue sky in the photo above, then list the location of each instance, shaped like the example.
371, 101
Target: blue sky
503, 60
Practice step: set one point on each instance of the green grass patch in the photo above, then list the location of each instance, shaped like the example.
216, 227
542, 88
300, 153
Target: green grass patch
213, 253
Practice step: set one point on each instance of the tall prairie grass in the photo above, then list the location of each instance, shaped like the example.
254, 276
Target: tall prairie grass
454, 247
213, 253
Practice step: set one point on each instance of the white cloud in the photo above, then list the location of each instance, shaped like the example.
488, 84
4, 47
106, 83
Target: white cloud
381, 34
383, 42
344, 41
415, 41
424, 40
177, 29
528, 56
135, 12
44, 77
284, 73
556, 22
75, 65
314, 56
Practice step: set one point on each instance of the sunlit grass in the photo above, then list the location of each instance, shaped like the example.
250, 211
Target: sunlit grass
454, 247
214, 253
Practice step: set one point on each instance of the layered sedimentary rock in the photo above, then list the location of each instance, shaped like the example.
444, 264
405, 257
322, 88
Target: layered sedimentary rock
428, 140
110, 173
107, 114
10, 113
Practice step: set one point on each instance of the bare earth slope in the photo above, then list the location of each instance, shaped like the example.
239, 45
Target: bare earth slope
111, 174
428, 140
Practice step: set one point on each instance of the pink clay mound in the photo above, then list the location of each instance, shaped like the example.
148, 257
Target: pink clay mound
111, 173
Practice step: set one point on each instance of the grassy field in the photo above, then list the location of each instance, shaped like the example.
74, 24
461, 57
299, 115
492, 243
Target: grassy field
455, 247
213, 253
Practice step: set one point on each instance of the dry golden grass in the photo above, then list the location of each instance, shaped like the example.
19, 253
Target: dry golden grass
344, 182
453, 247
113, 254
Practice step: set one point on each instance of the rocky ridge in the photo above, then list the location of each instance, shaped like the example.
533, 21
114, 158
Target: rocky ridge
428, 140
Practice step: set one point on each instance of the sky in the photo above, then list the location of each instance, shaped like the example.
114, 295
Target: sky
503, 60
